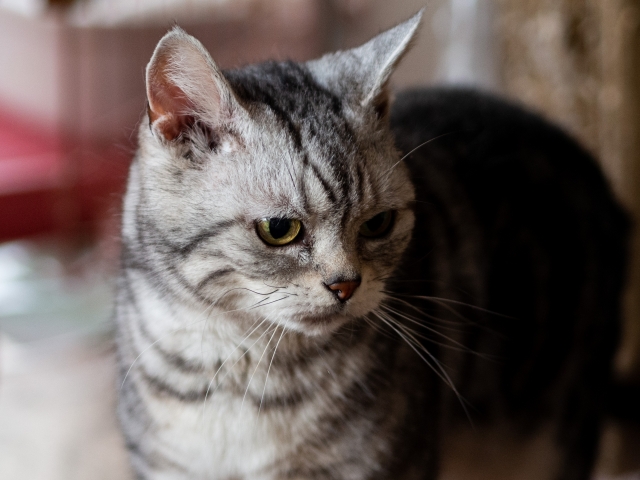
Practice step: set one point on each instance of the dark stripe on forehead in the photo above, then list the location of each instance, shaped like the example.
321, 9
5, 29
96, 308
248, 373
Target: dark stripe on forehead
311, 114
325, 184
291, 92
282, 87
285, 119
340, 154
302, 185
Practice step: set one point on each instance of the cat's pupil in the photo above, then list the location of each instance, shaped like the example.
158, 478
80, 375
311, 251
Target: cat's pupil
376, 222
279, 227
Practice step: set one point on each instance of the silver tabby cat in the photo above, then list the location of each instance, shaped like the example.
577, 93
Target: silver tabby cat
268, 227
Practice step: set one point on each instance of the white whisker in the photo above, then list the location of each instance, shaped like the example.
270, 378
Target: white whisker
256, 369
269, 369
461, 346
416, 148
236, 362
417, 347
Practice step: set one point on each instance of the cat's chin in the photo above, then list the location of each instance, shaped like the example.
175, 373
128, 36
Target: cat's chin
315, 325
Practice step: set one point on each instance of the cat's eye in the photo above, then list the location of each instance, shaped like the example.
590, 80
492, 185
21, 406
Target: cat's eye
278, 231
377, 225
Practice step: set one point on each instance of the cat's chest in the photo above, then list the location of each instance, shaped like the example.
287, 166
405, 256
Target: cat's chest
230, 438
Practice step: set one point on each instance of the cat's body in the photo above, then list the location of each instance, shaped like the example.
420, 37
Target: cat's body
247, 353
517, 219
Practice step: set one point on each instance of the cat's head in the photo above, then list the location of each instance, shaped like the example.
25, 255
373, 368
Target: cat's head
276, 189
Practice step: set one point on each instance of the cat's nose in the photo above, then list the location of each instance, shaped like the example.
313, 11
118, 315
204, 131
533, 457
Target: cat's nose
343, 290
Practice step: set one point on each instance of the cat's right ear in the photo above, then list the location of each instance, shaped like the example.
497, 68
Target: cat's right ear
361, 75
185, 85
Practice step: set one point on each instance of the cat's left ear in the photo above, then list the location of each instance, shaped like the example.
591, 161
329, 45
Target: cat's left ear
362, 74
184, 85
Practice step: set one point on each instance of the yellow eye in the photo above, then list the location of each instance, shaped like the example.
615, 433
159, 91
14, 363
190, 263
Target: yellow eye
378, 225
278, 231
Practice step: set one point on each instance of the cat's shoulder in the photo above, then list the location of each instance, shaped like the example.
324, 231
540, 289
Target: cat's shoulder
476, 113
499, 151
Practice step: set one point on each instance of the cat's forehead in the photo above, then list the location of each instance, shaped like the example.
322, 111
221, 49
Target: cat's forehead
312, 151
284, 86
289, 95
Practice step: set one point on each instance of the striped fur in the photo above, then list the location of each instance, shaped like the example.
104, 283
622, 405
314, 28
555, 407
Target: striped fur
237, 361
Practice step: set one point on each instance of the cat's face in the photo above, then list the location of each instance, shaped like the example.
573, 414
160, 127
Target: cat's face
283, 198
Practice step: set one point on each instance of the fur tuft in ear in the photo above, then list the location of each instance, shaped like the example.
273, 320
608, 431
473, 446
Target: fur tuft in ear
362, 73
184, 85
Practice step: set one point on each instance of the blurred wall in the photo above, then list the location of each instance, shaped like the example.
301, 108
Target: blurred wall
81, 70
29, 45
455, 44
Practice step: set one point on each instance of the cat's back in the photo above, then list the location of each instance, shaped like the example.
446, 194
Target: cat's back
514, 216
509, 168
498, 151
521, 218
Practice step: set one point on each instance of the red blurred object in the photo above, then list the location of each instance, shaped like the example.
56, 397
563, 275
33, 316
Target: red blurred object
52, 185
76, 79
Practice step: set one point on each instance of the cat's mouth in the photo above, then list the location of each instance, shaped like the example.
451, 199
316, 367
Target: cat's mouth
331, 317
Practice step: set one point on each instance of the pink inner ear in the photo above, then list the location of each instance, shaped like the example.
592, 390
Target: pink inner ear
169, 107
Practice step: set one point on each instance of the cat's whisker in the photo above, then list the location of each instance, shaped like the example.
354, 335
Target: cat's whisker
417, 148
246, 308
441, 303
377, 327
257, 366
204, 326
206, 396
208, 392
389, 322
414, 320
457, 302
293, 182
457, 346
437, 320
259, 303
417, 348
466, 320
269, 369
255, 305
249, 290
273, 301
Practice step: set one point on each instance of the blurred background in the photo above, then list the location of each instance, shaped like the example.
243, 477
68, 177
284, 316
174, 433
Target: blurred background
72, 92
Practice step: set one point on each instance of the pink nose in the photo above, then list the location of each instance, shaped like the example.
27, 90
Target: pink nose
344, 290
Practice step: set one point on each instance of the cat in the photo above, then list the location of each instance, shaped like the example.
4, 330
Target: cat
318, 282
